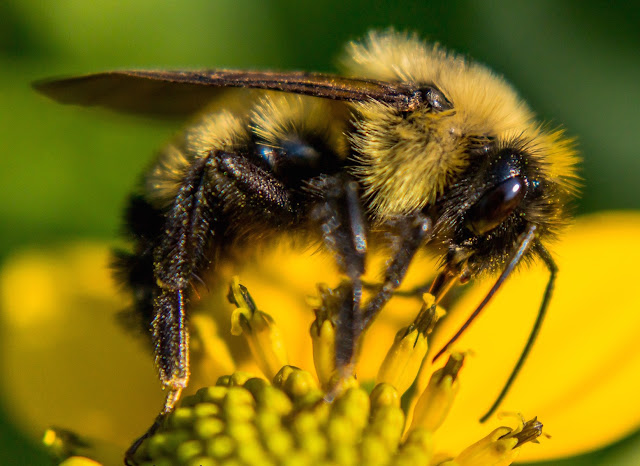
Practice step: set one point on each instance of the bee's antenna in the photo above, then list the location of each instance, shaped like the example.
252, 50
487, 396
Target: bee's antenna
546, 299
525, 243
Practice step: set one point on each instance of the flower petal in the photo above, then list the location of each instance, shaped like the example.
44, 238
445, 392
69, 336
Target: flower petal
582, 376
65, 359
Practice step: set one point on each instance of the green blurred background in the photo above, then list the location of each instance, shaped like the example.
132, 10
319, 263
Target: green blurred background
66, 171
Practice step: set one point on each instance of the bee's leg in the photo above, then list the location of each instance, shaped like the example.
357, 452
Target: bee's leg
414, 233
218, 189
179, 251
172, 399
344, 231
251, 195
339, 213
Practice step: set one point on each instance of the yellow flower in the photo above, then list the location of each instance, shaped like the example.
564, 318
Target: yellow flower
584, 369
67, 362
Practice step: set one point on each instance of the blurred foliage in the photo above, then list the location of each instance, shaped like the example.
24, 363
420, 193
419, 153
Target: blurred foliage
66, 171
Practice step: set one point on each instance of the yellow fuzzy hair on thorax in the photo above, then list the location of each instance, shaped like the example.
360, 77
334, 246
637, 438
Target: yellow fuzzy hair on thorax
410, 159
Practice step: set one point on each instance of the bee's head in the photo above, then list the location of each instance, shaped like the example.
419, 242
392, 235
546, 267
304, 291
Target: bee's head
507, 188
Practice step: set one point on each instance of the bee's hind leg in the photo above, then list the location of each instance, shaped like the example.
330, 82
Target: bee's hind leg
173, 396
178, 252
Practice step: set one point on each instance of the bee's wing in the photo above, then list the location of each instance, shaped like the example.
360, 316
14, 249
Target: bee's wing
178, 93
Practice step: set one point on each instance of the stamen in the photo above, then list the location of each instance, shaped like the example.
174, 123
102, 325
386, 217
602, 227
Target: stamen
436, 400
406, 355
501, 446
403, 361
263, 336
323, 336
529, 432
327, 308
247, 420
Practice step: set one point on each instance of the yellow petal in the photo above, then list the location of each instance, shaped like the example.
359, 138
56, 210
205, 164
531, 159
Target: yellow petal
210, 355
58, 319
66, 360
584, 370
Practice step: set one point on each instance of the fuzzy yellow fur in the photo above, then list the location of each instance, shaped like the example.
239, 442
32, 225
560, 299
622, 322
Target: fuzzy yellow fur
408, 161
220, 130
272, 116
278, 117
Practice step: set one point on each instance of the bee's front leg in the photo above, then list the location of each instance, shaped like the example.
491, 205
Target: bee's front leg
413, 230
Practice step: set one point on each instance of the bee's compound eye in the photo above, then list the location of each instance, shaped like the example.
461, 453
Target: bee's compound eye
496, 205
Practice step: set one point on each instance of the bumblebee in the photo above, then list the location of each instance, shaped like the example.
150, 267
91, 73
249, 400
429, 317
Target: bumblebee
412, 143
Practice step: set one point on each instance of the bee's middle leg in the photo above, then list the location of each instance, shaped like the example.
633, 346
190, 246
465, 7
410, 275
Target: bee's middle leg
344, 231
